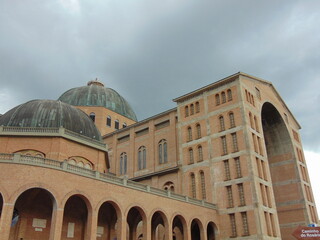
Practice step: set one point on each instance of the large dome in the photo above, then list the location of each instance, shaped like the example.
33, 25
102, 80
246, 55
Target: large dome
50, 114
95, 94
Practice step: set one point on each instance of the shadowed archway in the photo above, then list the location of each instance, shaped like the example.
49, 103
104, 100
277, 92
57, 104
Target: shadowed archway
32, 215
284, 173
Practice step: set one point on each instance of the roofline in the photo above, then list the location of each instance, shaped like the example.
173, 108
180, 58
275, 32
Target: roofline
207, 87
276, 92
139, 123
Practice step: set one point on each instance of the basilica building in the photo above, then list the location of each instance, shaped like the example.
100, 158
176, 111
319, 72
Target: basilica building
226, 163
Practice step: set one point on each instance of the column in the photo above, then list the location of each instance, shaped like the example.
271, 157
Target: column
5, 221
56, 224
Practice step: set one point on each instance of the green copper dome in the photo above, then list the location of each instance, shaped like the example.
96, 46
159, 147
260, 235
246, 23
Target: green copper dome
50, 114
95, 94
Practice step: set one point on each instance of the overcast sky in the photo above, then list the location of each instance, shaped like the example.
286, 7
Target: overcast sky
152, 51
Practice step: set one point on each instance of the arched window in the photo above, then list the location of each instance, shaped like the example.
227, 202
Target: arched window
169, 186
203, 185
223, 97
191, 109
198, 130
189, 134
186, 111
142, 158
191, 159
193, 186
229, 94
162, 151
200, 153
124, 125
231, 118
116, 124
108, 121
197, 107
123, 163
92, 116
221, 121
217, 99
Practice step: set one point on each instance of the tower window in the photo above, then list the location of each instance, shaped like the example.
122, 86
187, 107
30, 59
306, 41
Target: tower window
197, 107
221, 120
191, 109
203, 185
223, 97
217, 99
186, 111
229, 93
231, 118
189, 134
198, 131
124, 125
191, 160
200, 154
193, 186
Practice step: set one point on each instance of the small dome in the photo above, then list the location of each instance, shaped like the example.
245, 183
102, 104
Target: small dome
50, 114
95, 94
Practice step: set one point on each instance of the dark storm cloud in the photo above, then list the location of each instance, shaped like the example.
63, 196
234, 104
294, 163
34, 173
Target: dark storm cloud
154, 51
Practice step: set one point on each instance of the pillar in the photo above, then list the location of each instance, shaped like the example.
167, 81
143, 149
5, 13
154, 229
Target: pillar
5, 221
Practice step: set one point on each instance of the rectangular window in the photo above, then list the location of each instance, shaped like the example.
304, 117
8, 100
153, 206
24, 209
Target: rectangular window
260, 147
274, 231
229, 197
224, 145
238, 167
241, 194
233, 225
254, 143
268, 225
264, 170
245, 224
234, 142
227, 169
268, 196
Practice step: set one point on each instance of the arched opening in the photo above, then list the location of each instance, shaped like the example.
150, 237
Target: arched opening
159, 225
178, 228
107, 221
32, 215
196, 230
74, 218
283, 172
136, 223
211, 231
92, 116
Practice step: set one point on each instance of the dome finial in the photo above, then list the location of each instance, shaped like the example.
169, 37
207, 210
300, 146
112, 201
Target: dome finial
95, 82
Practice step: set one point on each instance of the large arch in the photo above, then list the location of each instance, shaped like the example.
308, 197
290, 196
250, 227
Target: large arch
137, 223
196, 230
159, 226
211, 231
32, 214
283, 171
108, 221
75, 218
179, 228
